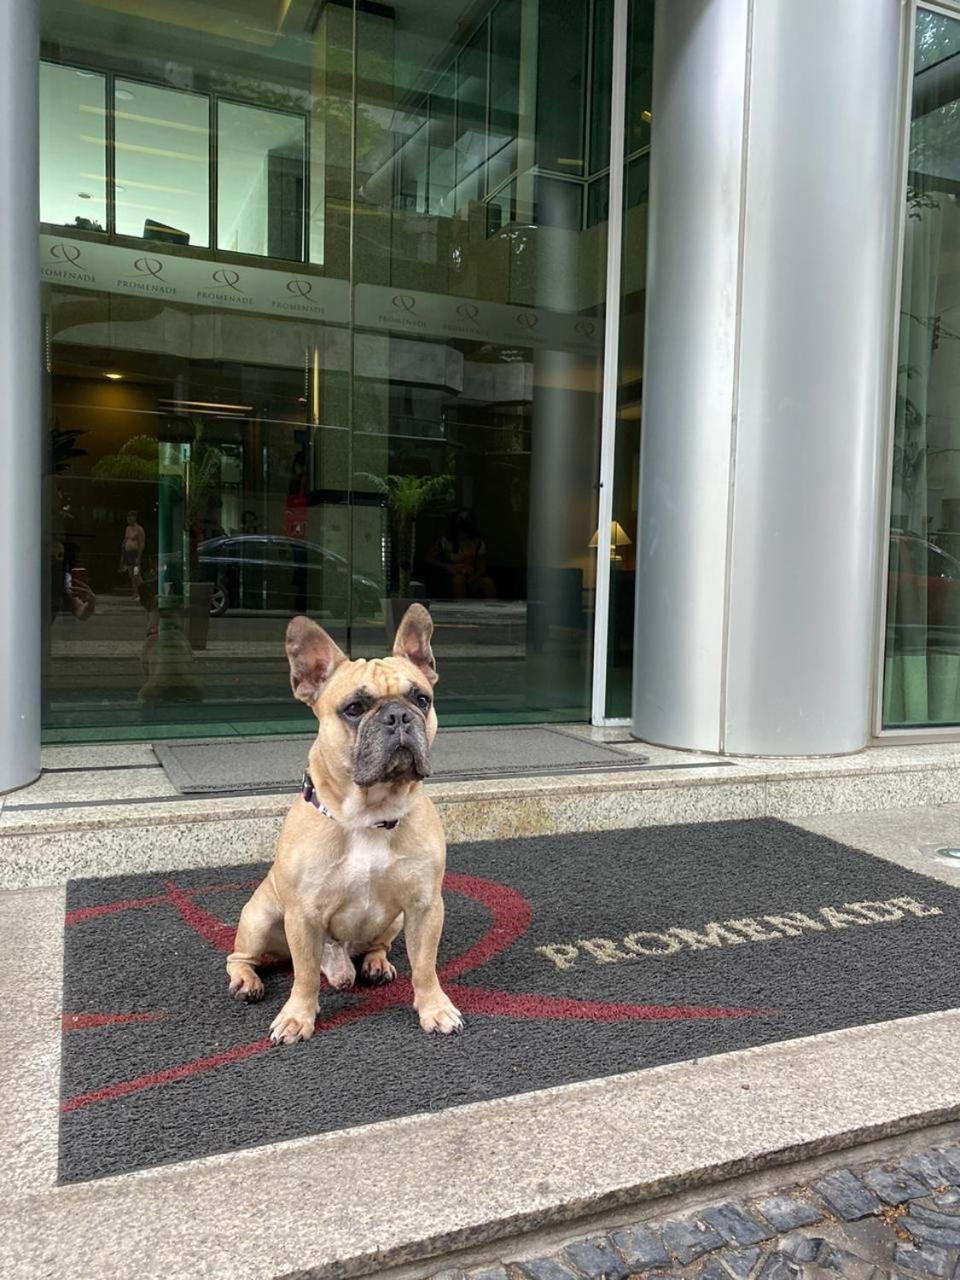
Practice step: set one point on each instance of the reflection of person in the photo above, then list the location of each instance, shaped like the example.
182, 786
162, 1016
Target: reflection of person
462, 553
132, 544
69, 589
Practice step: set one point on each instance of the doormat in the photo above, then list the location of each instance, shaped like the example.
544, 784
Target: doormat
276, 764
571, 957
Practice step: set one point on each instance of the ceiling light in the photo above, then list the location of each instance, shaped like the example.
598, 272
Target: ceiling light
125, 95
113, 376
84, 195
87, 74
206, 404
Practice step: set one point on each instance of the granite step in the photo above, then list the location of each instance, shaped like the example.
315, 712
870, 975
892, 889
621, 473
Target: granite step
110, 809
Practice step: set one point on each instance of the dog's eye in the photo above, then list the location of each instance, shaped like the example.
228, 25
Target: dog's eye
423, 702
353, 711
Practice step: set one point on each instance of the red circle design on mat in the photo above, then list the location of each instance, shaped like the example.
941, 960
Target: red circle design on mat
511, 915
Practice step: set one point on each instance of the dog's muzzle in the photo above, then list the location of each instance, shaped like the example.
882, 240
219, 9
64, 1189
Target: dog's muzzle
391, 746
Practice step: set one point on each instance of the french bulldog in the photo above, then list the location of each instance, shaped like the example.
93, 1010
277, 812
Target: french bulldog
361, 854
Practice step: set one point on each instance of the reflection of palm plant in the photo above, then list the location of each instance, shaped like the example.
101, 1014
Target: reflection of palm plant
407, 497
63, 448
139, 459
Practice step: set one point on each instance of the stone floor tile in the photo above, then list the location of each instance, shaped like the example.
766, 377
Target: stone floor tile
893, 1186
779, 1267
596, 1259
785, 1212
735, 1223
689, 1239
924, 1260
641, 1247
845, 1195
545, 1269
741, 1262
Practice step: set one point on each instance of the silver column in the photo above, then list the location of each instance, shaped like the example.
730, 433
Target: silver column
773, 194
20, 427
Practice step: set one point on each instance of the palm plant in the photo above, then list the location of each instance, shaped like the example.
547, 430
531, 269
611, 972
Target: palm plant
407, 496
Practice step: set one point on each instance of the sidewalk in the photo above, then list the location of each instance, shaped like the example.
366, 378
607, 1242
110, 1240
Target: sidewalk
484, 1182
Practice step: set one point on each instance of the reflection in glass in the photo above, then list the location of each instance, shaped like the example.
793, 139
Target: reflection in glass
620, 656
73, 148
416, 418
260, 181
922, 666
162, 155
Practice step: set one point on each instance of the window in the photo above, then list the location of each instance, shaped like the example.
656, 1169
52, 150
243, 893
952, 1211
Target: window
260, 181
73, 147
163, 155
162, 168
922, 662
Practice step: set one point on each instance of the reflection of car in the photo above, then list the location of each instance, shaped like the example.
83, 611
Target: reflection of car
265, 571
924, 585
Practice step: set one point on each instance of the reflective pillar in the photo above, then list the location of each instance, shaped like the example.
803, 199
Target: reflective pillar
774, 185
21, 561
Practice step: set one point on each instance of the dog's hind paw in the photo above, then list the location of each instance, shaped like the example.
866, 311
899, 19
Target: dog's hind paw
376, 969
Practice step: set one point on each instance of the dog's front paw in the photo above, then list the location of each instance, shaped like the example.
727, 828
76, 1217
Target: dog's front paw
245, 984
294, 1022
440, 1015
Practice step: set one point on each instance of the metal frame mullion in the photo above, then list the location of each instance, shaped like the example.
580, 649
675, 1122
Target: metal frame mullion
611, 363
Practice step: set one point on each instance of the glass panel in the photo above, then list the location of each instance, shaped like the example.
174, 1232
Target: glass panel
477, 368
73, 147
163, 153
630, 372
561, 105
412, 413
471, 148
922, 665
504, 91
260, 181
601, 70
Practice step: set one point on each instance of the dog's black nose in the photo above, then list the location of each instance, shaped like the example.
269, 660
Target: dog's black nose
395, 715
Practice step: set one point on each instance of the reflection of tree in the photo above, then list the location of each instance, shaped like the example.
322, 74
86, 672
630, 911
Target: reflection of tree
407, 497
139, 459
63, 448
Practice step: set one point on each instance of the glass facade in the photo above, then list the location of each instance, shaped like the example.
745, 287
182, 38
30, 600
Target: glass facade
922, 657
323, 292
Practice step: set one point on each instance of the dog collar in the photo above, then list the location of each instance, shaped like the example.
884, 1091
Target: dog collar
309, 793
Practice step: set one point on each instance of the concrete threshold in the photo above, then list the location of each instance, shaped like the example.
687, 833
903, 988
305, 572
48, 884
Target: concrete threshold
107, 810
487, 1180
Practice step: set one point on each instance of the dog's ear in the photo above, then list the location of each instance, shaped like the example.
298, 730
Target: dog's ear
313, 658
413, 641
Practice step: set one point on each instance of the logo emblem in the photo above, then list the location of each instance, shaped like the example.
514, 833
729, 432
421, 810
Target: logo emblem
404, 302
528, 319
302, 288
468, 311
149, 267
227, 278
69, 253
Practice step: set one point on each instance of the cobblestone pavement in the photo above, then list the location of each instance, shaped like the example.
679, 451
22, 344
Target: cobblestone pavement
899, 1220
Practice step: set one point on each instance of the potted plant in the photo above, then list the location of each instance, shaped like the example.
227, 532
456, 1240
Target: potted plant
407, 496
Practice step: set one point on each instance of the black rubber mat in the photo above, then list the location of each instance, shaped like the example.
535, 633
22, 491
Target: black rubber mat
570, 956
226, 764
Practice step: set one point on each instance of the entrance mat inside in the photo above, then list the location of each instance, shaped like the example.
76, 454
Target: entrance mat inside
277, 763
571, 957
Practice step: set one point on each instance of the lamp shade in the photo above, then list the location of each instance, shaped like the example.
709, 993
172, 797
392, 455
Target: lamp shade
618, 536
